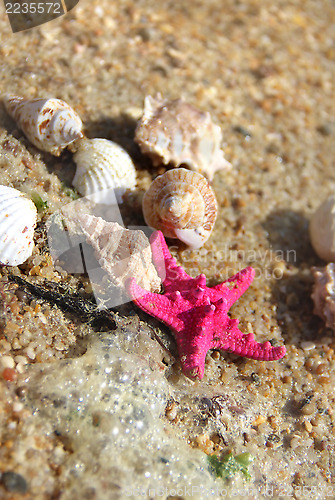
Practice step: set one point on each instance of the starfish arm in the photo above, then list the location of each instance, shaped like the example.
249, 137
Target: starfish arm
241, 281
160, 253
165, 264
192, 351
194, 366
233, 340
155, 304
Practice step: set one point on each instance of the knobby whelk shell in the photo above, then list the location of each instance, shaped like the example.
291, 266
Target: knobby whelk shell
121, 252
182, 205
50, 124
102, 166
176, 132
18, 217
322, 230
324, 294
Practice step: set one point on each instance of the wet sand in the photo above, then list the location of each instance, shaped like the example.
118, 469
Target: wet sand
70, 425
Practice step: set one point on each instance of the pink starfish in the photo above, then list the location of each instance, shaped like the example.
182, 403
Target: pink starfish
197, 314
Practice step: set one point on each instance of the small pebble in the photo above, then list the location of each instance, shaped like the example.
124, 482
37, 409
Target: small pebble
16, 344
259, 420
216, 355
308, 409
308, 426
307, 345
279, 270
14, 482
30, 353
20, 359
171, 411
9, 374
17, 406
321, 368
324, 380
20, 367
5, 345
325, 129
7, 361
22, 295
295, 442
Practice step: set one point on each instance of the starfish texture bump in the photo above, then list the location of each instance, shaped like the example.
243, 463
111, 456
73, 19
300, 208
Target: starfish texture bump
197, 314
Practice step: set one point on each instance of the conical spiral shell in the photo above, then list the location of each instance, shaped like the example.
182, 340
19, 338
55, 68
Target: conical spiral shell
123, 253
103, 165
178, 133
324, 294
182, 205
18, 217
50, 124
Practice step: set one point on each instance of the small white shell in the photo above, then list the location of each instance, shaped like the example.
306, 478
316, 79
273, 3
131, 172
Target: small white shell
178, 133
103, 166
50, 124
322, 230
17, 222
123, 253
182, 205
324, 293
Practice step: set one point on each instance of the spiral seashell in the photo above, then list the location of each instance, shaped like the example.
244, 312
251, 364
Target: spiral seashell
324, 294
322, 230
18, 217
121, 252
182, 205
178, 133
50, 124
102, 166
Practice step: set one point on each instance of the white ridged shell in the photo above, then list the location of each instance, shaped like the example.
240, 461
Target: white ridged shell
102, 165
182, 205
50, 124
123, 253
322, 230
324, 293
18, 217
178, 133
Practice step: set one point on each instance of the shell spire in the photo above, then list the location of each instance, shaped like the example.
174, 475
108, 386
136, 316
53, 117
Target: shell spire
182, 205
178, 133
50, 124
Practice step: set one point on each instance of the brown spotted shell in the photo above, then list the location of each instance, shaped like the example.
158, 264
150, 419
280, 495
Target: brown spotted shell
176, 132
50, 124
324, 293
121, 252
182, 205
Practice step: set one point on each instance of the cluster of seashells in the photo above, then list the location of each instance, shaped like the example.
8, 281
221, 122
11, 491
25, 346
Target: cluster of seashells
180, 202
52, 125
322, 237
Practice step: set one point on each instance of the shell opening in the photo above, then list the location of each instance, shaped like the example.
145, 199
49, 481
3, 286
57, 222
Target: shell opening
194, 238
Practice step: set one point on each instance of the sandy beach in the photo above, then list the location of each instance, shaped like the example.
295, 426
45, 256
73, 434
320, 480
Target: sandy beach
99, 410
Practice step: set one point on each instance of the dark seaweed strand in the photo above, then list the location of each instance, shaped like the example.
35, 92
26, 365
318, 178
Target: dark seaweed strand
67, 302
